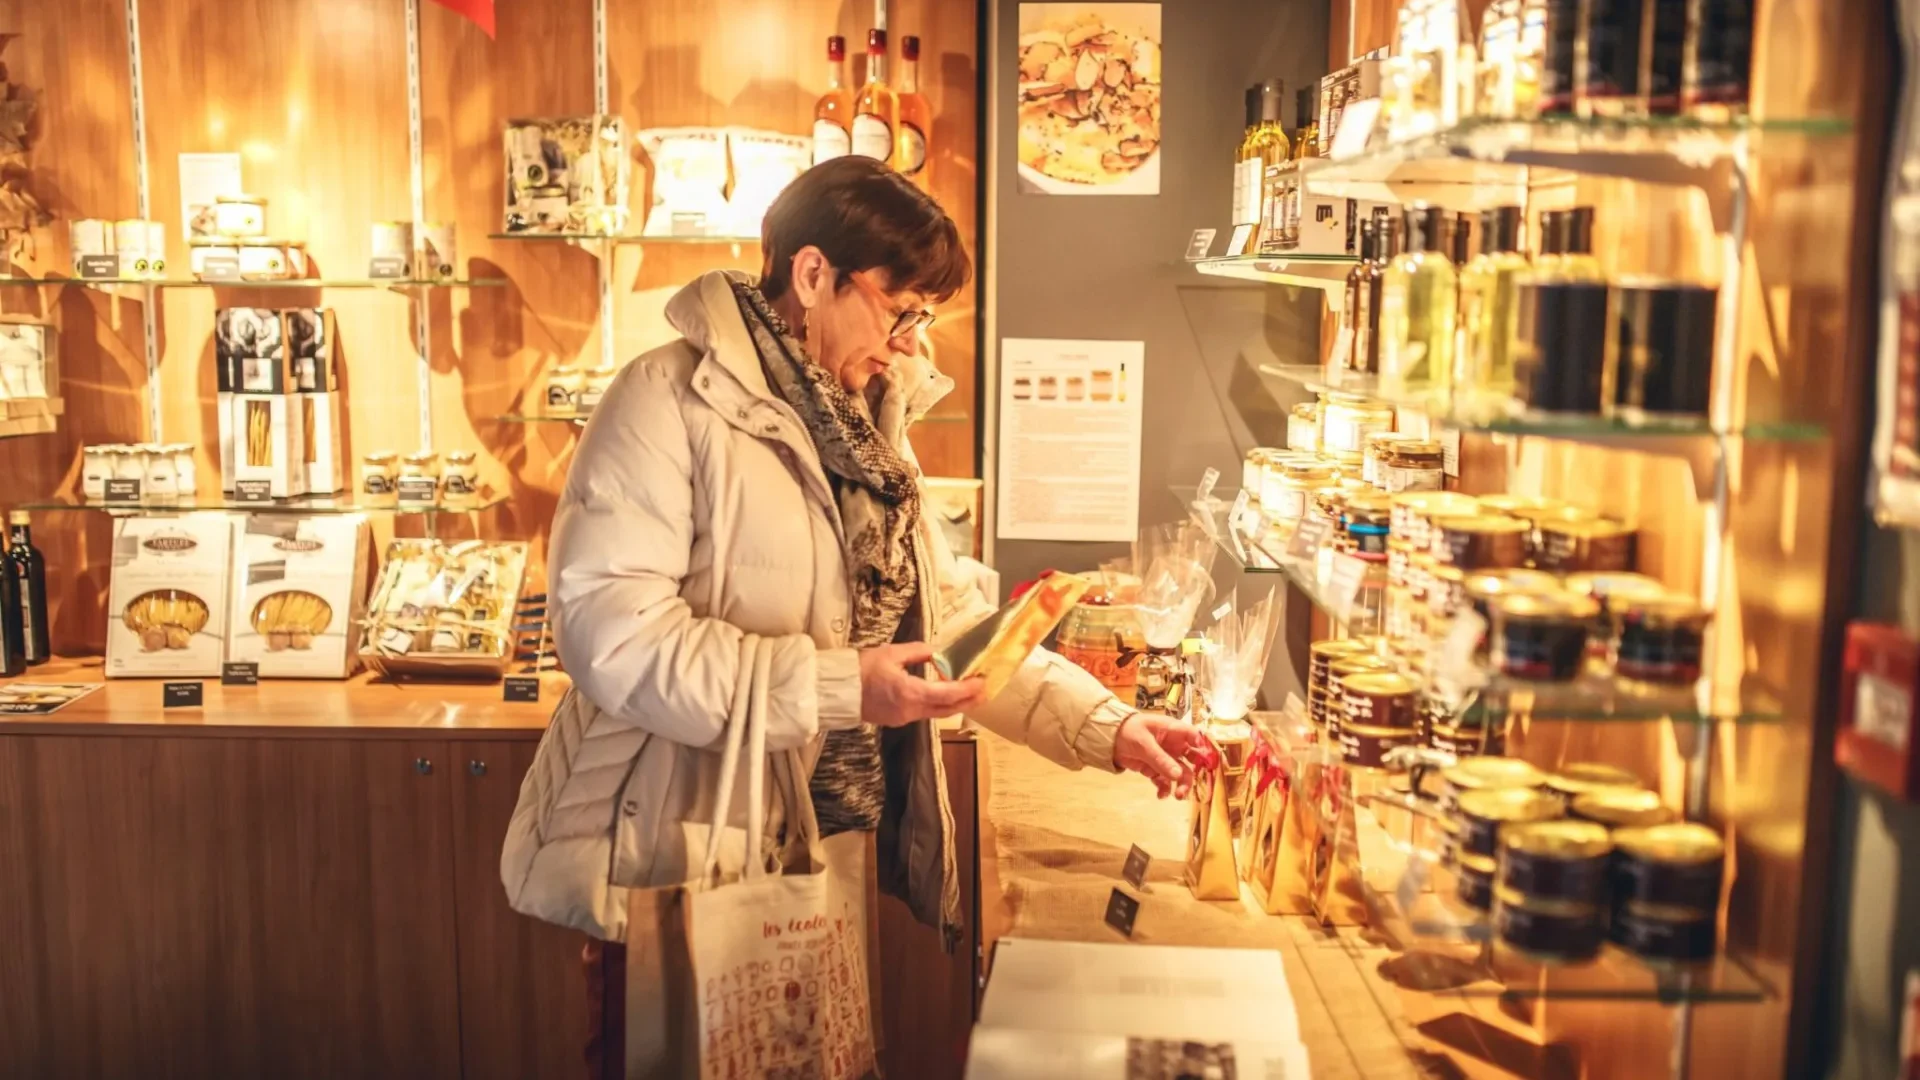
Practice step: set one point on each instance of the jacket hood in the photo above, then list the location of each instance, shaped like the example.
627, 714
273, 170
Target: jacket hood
707, 315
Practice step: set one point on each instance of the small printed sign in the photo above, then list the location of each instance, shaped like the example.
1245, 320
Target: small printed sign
1122, 910
1348, 574
219, 268
521, 688
1450, 451
416, 490
181, 695
387, 266
123, 491
1242, 242
99, 266
1135, 872
240, 673
253, 491
1357, 121
1307, 539
1201, 243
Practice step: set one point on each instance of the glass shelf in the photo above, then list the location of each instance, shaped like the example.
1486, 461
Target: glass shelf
1257, 546
1324, 272
544, 418
282, 283
621, 238
344, 503
1500, 414
1486, 162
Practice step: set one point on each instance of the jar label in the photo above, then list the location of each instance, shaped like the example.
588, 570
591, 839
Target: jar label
376, 484
1398, 478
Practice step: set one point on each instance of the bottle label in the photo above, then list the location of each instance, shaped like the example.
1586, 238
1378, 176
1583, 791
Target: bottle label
872, 137
1249, 192
913, 149
829, 141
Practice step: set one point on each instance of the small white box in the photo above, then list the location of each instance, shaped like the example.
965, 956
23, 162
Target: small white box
269, 443
297, 594
1327, 226
439, 255
90, 236
240, 216
223, 412
167, 600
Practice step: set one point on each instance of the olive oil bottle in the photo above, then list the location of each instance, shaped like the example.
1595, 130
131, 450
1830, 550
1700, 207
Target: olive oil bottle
1418, 300
1489, 291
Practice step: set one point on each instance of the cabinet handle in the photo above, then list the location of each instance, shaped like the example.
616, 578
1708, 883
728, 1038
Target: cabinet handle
477, 768
423, 766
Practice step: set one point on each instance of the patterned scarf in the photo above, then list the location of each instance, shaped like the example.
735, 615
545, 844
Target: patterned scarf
879, 502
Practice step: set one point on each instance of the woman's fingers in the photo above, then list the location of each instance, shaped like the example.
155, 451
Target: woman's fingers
943, 698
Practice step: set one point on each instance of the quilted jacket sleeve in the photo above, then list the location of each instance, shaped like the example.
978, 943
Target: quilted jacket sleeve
622, 540
1052, 705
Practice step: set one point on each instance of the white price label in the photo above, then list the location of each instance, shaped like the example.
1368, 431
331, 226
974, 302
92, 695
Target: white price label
1341, 357
1343, 587
1242, 242
395, 639
1450, 451
1208, 481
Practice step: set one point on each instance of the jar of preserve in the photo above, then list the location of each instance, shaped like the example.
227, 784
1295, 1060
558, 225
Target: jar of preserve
460, 478
160, 481
1413, 465
1321, 656
564, 386
1481, 815
1481, 542
130, 463
96, 465
1303, 428
1368, 519
1338, 672
1557, 860
1283, 494
422, 464
1659, 640
1378, 443
1541, 637
1415, 511
1584, 546
1347, 419
377, 477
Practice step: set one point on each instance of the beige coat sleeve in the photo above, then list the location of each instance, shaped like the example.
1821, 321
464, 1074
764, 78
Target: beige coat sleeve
622, 540
1052, 705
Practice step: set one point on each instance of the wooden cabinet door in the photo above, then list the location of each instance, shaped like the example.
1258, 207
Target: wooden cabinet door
927, 992
195, 907
523, 991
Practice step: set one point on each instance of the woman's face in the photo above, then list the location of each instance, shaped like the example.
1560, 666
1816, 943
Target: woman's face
851, 330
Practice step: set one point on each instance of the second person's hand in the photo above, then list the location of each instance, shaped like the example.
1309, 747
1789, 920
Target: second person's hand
891, 695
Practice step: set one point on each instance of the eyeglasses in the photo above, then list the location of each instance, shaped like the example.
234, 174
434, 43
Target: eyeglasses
905, 320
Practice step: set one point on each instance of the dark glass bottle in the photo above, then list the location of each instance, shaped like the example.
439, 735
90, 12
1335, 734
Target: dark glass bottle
1386, 244
1357, 302
13, 644
29, 570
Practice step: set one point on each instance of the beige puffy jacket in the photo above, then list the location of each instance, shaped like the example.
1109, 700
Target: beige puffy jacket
696, 517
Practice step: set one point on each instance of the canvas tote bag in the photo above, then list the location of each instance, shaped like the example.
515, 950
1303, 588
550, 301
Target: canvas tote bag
763, 974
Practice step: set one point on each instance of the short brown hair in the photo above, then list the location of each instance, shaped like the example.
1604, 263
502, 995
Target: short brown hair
862, 215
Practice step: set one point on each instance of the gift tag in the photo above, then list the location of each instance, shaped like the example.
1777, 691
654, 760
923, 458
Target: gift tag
520, 688
181, 695
1344, 585
1135, 872
240, 673
1200, 244
1122, 910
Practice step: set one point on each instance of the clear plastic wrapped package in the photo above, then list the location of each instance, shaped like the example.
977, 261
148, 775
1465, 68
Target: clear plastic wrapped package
444, 610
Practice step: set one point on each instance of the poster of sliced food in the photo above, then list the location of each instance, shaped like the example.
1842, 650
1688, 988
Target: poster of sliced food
1089, 101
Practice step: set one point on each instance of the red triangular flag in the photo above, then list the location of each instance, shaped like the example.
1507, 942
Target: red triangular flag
480, 11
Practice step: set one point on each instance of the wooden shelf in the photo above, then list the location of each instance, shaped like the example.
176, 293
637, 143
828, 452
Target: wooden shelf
364, 705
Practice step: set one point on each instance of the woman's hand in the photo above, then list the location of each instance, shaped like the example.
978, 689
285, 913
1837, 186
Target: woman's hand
890, 695
1163, 750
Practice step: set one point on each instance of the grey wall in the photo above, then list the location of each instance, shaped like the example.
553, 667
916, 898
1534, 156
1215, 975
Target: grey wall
1112, 267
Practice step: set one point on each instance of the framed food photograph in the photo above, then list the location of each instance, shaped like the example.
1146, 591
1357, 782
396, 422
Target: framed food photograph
1089, 99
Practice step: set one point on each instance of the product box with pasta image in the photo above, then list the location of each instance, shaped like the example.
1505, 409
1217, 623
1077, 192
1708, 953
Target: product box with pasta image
297, 594
270, 443
167, 600
310, 340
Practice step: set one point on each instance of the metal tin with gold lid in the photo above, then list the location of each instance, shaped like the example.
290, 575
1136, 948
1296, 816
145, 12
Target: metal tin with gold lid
1473, 881
1321, 657
1480, 815
1414, 511
1613, 587
1544, 930
1484, 773
1659, 934
1584, 546
1480, 542
1541, 637
1676, 865
1518, 505
1337, 672
1482, 587
1621, 808
1572, 780
1379, 711
1556, 860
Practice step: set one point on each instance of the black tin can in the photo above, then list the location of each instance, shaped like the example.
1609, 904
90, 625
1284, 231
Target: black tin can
1480, 815
1664, 934
1663, 348
1547, 931
1473, 881
1561, 347
1675, 865
1556, 860
1659, 640
1540, 638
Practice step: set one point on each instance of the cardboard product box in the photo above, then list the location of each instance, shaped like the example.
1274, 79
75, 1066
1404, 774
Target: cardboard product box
270, 442
310, 337
167, 600
297, 594
1328, 225
567, 174
251, 347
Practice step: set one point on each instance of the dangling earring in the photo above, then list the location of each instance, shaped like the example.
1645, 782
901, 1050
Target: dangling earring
806, 332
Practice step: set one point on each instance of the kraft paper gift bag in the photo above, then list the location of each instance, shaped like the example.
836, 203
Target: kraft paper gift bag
765, 974
1277, 861
1212, 873
1335, 867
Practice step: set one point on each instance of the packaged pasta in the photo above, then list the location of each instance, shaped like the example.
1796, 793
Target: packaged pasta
297, 594
167, 600
764, 163
444, 610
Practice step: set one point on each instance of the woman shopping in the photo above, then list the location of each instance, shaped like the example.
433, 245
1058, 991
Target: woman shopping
750, 481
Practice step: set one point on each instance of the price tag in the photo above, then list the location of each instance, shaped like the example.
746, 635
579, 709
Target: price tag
123, 491
520, 688
1122, 910
98, 266
1450, 451
1208, 481
387, 266
1243, 517
1308, 538
1200, 244
394, 639
1242, 242
416, 490
240, 673
1453, 663
219, 268
1357, 122
1135, 872
181, 695
1348, 574
253, 491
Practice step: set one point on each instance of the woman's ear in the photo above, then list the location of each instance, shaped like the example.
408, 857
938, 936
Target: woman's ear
812, 277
